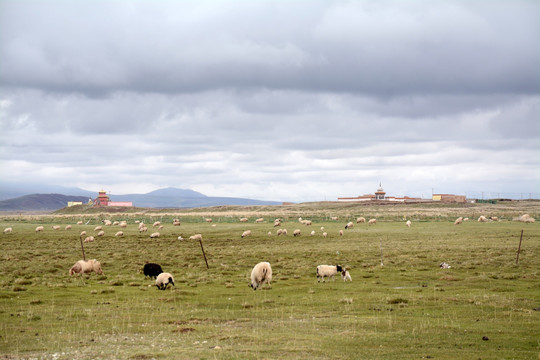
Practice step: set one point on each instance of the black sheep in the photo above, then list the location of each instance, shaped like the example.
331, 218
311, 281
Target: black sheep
152, 270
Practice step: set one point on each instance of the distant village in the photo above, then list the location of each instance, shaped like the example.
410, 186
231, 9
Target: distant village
380, 195
102, 200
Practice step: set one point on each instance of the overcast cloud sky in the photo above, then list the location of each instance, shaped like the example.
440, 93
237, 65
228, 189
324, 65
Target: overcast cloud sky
273, 100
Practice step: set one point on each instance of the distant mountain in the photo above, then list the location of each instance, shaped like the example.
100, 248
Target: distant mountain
162, 198
10, 190
41, 202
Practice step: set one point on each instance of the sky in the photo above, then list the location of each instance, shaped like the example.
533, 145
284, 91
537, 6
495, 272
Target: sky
273, 100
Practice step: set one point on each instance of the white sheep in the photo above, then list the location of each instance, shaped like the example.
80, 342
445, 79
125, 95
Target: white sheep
279, 232
458, 221
68, 227
107, 222
56, 227
86, 266
244, 219
262, 272
160, 227
176, 222
163, 280
208, 220
123, 224
141, 225
180, 237
79, 222
101, 233
360, 220
408, 223
8, 230
143, 229
324, 234
246, 233
116, 223
284, 232
345, 275
349, 225
340, 232
83, 233
526, 218
482, 218
312, 232
277, 223
259, 220
296, 232
40, 229
154, 235
89, 239
328, 271
119, 234
156, 224
335, 218
196, 237
372, 221
98, 228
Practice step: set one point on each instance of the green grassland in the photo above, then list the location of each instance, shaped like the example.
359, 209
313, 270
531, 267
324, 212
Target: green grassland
408, 308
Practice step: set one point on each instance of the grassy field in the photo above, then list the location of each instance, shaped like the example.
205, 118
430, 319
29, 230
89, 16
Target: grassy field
409, 308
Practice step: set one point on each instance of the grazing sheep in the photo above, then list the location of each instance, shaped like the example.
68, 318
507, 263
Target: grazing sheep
526, 218
360, 220
116, 223
156, 224
160, 227
141, 224
372, 221
98, 228
86, 266
335, 218
246, 233
89, 239
466, 219
196, 237
277, 223
208, 220
262, 272
345, 275
444, 265
176, 222
83, 233
284, 232
123, 224
408, 223
322, 228
306, 222
244, 219
8, 230
119, 233
163, 280
39, 229
279, 232
458, 221
143, 229
312, 232
154, 235
340, 232
101, 233
349, 225
259, 220
493, 218
324, 234
68, 227
79, 222
296, 232
328, 271
152, 270
482, 218
180, 237
269, 233
56, 227
107, 222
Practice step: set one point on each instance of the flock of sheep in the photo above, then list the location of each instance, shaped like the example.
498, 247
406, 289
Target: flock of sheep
261, 273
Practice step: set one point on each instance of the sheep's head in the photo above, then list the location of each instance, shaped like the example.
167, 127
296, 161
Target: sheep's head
339, 268
97, 268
